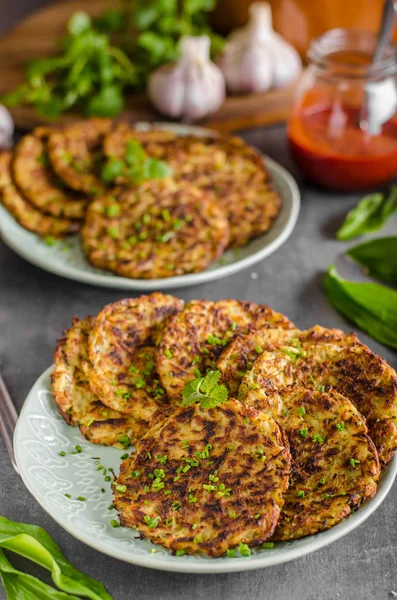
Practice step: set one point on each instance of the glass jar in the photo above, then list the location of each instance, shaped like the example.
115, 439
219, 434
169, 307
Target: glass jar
343, 126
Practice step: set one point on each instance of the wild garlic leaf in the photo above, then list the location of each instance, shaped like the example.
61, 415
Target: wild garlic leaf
371, 306
379, 257
205, 390
370, 214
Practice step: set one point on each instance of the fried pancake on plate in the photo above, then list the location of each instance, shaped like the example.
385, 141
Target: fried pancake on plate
77, 403
335, 465
122, 348
328, 359
38, 183
27, 215
194, 338
159, 229
233, 171
242, 352
206, 480
75, 154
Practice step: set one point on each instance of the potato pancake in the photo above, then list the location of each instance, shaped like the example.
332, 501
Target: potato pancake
159, 229
38, 183
226, 166
242, 352
75, 153
326, 359
27, 216
77, 403
194, 338
335, 465
122, 354
206, 480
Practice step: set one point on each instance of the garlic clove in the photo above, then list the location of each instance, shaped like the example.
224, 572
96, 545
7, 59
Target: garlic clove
191, 88
6, 128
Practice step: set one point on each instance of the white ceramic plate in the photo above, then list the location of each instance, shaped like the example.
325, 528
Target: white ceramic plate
66, 258
39, 437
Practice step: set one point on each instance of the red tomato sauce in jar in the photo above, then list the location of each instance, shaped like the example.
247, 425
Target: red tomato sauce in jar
330, 148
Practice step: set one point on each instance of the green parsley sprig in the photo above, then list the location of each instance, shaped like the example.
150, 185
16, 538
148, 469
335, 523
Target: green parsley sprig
205, 390
136, 166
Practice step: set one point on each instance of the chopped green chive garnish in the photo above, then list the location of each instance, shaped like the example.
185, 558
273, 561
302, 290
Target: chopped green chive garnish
168, 353
62, 453
124, 456
233, 326
258, 349
301, 494
340, 426
111, 507
195, 359
322, 480
267, 545
180, 553
301, 411
244, 549
81, 498
120, 488
114, 523
354, 462
151, 522
124, 439
192, 499
79, 449
321, 388
231, 553
317, 438
303, 432
68, 495
135, 474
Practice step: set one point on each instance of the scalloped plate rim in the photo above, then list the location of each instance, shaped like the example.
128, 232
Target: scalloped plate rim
280, 554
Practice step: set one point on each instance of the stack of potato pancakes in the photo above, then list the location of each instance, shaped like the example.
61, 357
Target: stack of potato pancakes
246, 429
149, 204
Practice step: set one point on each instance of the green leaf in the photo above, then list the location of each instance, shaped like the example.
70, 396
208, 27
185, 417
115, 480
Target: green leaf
109, 102
379, 257
205, 390
111, 170
134, 153
211, 380
21, 586
156, 169
145, 16
78, 23
371, 306
34, 543
370, 214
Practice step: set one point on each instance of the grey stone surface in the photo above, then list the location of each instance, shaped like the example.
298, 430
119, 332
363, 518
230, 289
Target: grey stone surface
36, 306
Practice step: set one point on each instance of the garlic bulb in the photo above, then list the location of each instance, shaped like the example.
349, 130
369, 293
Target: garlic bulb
257, 58
6, 128
191, 88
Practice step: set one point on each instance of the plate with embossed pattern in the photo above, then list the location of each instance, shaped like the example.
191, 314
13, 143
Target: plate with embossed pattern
56, 475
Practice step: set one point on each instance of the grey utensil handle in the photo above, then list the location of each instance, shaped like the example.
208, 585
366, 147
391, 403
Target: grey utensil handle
8, 421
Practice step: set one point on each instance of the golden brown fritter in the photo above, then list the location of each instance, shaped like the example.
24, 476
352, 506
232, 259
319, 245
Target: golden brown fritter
77, 403
27, 216
206, 480
38, 183
234, 172
122, 354
326, 359
75, 154
159, 229
242, 352
335, 465
194, 338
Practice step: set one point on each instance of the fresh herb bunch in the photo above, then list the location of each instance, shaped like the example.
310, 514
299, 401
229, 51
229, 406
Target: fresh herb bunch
370, 214
102, 57
136, 166
205, 390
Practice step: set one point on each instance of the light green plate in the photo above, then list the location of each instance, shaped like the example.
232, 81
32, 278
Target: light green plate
66, 258
39, 437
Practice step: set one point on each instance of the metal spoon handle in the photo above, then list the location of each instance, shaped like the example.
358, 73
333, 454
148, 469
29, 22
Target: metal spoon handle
8, 421
386, 29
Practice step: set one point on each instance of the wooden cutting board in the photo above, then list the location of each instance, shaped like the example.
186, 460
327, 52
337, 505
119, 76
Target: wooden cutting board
38, 36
